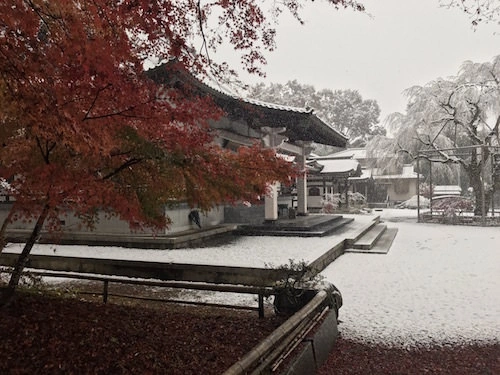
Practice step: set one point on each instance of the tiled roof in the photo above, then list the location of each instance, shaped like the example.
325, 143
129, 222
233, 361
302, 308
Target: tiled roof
213, 84
366, 174
301, 123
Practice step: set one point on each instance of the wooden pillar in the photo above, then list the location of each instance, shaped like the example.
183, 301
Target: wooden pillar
346, 190
302, 187
272, 139
302, 179
483, 197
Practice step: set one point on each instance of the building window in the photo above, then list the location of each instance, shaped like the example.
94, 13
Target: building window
314, 191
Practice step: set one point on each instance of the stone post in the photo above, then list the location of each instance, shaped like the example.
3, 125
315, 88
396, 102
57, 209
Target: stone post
271, 203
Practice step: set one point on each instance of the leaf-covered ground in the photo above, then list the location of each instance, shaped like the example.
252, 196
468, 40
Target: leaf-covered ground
46, 334
352, 358
53, 335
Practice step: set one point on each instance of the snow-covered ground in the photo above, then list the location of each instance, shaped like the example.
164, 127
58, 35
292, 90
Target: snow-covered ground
437, 284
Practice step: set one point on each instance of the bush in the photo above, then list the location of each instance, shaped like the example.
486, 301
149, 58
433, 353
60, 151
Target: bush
332, 202
453, 204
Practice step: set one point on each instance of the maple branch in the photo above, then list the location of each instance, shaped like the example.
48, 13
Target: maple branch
102, 14
38, 12
470, 127
120, 153
204, 45
442, 128
405, 151
95, 101
125, 165
121, 113
112, 114
45, 150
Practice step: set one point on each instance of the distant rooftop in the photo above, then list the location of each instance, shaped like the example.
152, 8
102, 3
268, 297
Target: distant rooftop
338, 167
350, 153
447, 190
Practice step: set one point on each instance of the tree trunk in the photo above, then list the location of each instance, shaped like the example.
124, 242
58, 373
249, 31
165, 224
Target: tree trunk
477, 184
9, 291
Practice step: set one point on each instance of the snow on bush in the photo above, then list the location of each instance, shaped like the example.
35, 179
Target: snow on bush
412, 203
333, 202
453, 204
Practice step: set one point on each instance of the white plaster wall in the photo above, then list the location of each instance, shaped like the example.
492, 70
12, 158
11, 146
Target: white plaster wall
113, 225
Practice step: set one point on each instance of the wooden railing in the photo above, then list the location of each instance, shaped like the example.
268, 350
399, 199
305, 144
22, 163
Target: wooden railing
261, 292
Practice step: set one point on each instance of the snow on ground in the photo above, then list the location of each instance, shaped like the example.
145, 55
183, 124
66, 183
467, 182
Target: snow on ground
438, 283
245, 251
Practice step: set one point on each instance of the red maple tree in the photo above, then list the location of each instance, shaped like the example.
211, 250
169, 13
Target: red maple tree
83, 129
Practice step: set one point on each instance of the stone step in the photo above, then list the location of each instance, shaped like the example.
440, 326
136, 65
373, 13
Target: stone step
360, 231
333, 227
370, 238
382, 245
307, 226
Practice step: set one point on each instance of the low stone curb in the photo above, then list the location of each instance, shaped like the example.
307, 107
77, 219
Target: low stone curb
315, 352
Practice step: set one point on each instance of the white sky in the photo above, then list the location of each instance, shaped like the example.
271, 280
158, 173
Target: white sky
403, 43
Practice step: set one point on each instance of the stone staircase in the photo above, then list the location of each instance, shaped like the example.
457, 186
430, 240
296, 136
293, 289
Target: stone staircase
302, 226
376, 238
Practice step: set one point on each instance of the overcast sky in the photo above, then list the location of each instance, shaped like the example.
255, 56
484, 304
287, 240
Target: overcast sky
403, 43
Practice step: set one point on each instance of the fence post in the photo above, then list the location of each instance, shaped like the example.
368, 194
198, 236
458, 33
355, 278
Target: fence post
261, 305
105, 292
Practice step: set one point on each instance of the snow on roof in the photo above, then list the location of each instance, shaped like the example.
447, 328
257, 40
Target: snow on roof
447, 189
288, 158
339, 166
408, 170
365, 175
407, 173
212, 83
350, 153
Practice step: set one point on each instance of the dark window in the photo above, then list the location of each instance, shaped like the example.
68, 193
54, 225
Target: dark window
314, 191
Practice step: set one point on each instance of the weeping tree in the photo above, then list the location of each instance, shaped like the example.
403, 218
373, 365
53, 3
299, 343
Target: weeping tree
478, 11
452, 121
